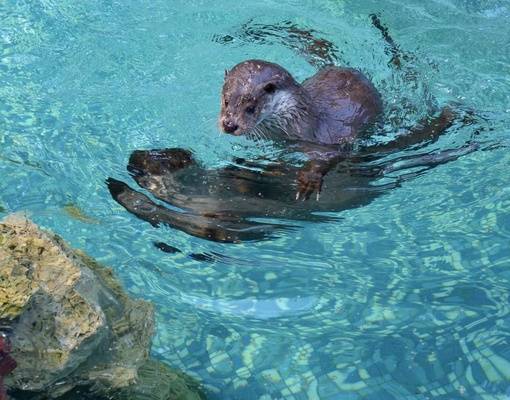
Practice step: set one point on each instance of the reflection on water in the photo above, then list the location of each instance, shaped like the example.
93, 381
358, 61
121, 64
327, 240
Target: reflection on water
405, 297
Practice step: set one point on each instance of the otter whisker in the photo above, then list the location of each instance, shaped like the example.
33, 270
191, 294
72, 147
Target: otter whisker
286, 131
208, 120
260, 133
263, 134
207, 123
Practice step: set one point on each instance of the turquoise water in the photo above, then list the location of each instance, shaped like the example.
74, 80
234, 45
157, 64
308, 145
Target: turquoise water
406, 297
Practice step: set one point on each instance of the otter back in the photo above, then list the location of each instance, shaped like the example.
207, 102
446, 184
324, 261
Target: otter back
346, 102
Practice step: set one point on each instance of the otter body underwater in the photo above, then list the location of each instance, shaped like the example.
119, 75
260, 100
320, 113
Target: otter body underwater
262, 99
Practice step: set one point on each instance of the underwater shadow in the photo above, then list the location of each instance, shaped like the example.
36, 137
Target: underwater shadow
256, 200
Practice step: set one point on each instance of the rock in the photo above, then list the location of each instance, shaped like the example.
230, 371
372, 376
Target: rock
73, 328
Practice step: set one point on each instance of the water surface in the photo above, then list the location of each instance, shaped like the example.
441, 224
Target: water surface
406, 297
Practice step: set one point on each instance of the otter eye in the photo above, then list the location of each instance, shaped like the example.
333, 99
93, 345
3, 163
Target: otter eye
250, 109
270, 88
225, 102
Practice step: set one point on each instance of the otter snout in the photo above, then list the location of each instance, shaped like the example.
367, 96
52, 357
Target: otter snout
228, 126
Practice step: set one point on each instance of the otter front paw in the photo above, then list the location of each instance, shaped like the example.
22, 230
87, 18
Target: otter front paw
308, 182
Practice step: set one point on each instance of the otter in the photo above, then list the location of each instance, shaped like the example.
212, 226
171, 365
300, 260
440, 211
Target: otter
251, 200
262, 99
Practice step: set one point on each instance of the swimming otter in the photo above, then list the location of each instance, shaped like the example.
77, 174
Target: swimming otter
262, 99
244, 201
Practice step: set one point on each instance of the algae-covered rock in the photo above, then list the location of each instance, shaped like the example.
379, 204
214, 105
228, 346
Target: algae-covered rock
72, 326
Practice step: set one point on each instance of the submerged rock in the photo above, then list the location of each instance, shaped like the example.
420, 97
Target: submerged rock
74, 330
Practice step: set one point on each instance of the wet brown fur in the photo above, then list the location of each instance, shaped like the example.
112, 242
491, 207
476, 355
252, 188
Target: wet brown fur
262, 99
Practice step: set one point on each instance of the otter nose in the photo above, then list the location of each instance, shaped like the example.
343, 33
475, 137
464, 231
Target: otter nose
229, 126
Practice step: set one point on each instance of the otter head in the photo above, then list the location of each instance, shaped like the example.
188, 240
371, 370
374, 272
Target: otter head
259, 98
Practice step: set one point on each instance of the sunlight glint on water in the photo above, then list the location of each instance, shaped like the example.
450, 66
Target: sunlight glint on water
404, 297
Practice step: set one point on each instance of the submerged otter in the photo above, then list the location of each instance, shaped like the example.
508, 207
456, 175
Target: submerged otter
262, 99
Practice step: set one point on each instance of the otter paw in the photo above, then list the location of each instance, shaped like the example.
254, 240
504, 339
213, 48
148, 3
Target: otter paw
308, 182
159, 162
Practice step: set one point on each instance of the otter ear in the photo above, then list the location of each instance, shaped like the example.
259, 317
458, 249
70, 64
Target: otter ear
226, 73
270, 88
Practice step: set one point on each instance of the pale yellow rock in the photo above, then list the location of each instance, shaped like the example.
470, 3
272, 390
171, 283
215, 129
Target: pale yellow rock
72, 323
